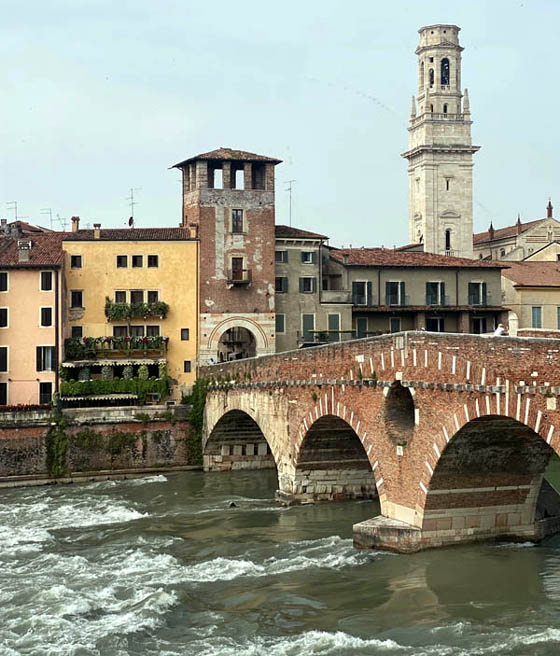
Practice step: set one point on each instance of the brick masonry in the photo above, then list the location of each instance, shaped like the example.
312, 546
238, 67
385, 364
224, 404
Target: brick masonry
445, 383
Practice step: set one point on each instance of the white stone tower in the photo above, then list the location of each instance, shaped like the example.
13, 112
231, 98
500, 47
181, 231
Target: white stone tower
440, 148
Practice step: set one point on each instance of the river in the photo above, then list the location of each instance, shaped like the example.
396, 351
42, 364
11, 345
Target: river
163, 566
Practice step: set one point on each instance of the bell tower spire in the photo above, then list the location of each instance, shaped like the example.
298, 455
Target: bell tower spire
440, 148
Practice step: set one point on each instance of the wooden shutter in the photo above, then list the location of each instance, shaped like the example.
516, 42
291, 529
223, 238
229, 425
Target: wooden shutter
369, 297
402, 299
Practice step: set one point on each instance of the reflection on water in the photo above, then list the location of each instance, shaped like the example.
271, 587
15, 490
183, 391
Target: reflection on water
163, 565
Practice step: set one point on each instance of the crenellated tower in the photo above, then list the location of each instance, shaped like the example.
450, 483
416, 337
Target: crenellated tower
440, 148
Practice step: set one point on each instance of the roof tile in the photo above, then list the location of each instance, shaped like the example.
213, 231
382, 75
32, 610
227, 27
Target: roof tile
131, 234
534, 274
396, 258
287, 232
229, 154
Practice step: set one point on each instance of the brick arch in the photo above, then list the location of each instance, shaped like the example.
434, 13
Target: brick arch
262, 341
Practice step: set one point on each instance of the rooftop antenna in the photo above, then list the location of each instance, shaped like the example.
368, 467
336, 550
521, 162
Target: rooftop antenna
48, 210
289, 190
12, 205
62, 221
132, 204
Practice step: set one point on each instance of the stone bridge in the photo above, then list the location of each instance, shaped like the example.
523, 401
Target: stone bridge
451, 432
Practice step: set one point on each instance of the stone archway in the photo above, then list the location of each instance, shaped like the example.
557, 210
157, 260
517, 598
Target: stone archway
261, 343
236, 343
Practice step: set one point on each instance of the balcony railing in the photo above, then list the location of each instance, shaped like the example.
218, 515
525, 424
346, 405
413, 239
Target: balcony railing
437, 299
480, 299
125, 311
94, 348
239, 276
363, 299
450, 252
336, 296
396, 299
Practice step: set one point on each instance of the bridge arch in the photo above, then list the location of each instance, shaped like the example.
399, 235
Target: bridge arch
488, 482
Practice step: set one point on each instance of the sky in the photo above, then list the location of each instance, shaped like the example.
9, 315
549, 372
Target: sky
100, 97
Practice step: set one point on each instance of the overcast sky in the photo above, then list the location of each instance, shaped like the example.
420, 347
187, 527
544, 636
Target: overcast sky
99, 96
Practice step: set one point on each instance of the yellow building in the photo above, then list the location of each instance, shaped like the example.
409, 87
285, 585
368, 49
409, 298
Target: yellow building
132, 299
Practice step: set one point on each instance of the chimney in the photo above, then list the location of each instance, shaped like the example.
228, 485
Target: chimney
549, 210
193, 231
24, 250
75, 223
491, 231
97, 230
4, 225
345, 258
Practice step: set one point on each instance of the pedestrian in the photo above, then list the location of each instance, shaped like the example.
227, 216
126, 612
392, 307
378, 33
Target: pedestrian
500, 330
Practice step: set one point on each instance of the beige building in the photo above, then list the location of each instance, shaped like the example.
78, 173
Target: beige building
440, 148
532, 292
520, 241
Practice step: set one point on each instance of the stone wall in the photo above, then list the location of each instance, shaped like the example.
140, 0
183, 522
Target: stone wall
94, 439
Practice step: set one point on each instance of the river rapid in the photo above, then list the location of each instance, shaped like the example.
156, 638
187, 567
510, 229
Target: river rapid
162, 565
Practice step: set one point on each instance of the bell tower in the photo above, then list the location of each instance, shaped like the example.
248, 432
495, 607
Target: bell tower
440, 148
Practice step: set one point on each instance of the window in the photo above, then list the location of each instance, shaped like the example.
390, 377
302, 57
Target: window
503, 252
479, 325
3, 358
394, 325
237, 220
46, 281
153, 261
435, 293
153, 296
448, 240
137, 261
362, 293
281, 284
536, 317
122, 261
46, 316
445, 71
45, 393
307, 327
435, 325
281, 257
238, 178
307, 285
308, 257
77, 332
152, 331
3, 281
446, 184
76, 298
187, 366
120, 331
333, 325
185, 334
478, 293
45, 358
395, 293
75, 261
137, 331
281, 323
236, 268
3, 393
136, 296
120, 297
361, 327
445, 112
3, 317
431, 75
558, 317
258, 175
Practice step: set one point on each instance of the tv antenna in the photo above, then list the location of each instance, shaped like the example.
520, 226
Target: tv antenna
289, 190
12, 205
48, 211
132, 202
62, 222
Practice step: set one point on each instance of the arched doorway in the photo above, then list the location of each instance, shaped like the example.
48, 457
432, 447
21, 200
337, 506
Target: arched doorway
489, 483
332, 464
237, 442
236, 343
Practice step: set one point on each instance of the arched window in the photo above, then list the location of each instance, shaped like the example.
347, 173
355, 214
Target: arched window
503, 252
422, 75
445, 109
448, 240
432, 108
445, 71
431, 77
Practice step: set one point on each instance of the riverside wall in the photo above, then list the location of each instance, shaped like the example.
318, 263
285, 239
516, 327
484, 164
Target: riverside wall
41, 445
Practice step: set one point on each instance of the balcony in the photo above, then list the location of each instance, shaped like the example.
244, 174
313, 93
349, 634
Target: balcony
480, 299
363, 299
437, 300
100, 348
336, 296
126, 311
239, 276
396, 299
450, 252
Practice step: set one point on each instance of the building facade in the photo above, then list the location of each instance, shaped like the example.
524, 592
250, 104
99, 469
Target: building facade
31, 317
228, 199
132, 297
440, 148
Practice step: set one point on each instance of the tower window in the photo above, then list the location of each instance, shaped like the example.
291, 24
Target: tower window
446, 184
445, 109
445, 71
432, 108
431, 77
237, 221
448, 240
422, 75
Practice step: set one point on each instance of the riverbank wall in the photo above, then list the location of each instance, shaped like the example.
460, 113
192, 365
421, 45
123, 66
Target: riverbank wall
73, 444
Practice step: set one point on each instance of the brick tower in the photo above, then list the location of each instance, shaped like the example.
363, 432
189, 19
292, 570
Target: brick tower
440, 148
228, 198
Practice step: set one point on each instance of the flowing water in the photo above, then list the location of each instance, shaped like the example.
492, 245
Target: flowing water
162, 565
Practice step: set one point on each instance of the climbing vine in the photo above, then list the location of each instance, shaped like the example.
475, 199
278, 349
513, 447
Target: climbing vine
197, 399
57, 444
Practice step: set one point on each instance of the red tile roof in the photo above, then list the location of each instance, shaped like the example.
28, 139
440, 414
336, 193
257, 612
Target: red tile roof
287, 232
229, 154
131, 234
533, 274
46, 250
395, 258
503, 233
